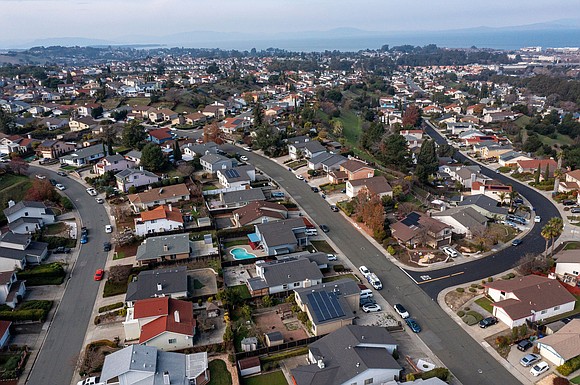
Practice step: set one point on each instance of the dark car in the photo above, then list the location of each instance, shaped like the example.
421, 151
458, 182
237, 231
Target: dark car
84, 231
315, 189
324, 228
413, 325
62, 173
84, 239
334, 208
366, 301
575, 210
489, 321
107, 246
62, 250
524, 345
516, 242
53, 182
568, 202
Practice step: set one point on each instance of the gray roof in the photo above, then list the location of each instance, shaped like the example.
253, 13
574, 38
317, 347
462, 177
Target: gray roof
236, 174
18, 239
34, 249
314, 146
467, 216
115, 157
249, 195
280, 233
173, 280
85, 152
345, 286
23, 204
215, 158
130, 171
134, 154
334, 160
22, 220
152, 364
275, 336
288, 270
345, 357
201, 149
155, 247
331, 297
320, 157
485, 202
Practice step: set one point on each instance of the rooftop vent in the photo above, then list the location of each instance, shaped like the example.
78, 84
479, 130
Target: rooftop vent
159, 287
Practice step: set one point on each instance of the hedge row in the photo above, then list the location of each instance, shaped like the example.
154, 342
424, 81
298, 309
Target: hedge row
569, 366
110, 307
50, 274
23, 315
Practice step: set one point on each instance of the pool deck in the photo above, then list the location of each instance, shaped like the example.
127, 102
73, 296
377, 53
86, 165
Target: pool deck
229, 257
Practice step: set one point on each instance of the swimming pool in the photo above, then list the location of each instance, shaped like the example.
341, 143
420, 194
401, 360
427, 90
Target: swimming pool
241, 253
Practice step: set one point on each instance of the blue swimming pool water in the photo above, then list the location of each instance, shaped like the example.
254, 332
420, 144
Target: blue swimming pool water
241, 253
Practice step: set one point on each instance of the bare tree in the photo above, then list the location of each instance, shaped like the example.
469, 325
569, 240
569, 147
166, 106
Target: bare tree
530, 263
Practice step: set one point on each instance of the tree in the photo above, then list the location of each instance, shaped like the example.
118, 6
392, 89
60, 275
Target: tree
212, 133
394, 152
537, 175
152, 157
18, 165
42, 190
97, 112
427, 162
412, 116
501, 196
258, 113
557, 227
7, 125
176, 151
134, 135
547, 172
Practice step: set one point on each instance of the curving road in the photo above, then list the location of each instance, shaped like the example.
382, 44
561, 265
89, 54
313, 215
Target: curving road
500, 261
64, 342
468, 361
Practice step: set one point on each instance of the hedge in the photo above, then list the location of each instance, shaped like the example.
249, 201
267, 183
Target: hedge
28, 311
110, 307
441, 373
569, 366
49, 274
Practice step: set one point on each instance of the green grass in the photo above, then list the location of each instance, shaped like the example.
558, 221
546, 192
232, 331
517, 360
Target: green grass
55, 228
119, 255
138, 101
333, 187
560, 139
485, 303
572, 246
337, 277
522, 121
209, 187
351, 126
575, 380
219, 374
237, 242
274, 378
8, 180
242, 291
322, 246
49, 274
13, 187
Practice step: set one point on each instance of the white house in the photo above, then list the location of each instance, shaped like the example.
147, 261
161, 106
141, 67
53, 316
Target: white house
530, 298
463, 220
84, 156
133, 177
375, 185
237, 177
115, 162
36, 211
562, 345
159, 220
12, 290
568, 265
19, 250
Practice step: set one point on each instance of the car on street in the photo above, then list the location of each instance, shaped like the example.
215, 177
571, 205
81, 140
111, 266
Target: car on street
364, 271
60, 187
537, 219
323, 196
90, 381
61, 173
539, 368
39, 176
324, 228
489, 321
100, 200
84, 231
411, 323
92, 192
99, 274
524, 345
331, 257
108, 229
244, 158
529, 359
370, 308
299, 177
53, 182
107, 246
84, 239
450, 252
400, 309
314, 189
334, 208
249, 149
516, 242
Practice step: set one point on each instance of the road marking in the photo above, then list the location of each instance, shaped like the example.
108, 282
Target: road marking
408, 275
438, 278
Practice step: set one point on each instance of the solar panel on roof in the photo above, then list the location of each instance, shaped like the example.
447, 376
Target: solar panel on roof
232, 173
412, 219
325, 305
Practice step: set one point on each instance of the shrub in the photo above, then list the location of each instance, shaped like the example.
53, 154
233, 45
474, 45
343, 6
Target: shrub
441, 373
560, 381
569, 366
391, 250
460, 313
490, 279
472, 289
460, 290
511, 275
502, 342
475, 315
49, 274
479, 287
468, 319
467, 308
66, 203
474, 285
338, 268
110, 307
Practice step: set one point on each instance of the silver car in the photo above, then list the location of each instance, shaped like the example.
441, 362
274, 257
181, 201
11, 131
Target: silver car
529, 359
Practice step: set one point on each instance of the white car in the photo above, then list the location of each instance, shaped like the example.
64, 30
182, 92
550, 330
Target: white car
331, 257
92, 192
299, 177
38, 176
244, 158
539, 368
108, 229
370, 308
90, 381
60, 187
537, 219
400, 309
450, 252
249, 149
100, 200
364, 271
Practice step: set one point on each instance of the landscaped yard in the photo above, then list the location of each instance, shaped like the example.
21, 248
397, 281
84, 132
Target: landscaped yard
575, 380
55, 228
333, 187
13, 187
337, 277
219, 374
485, 303
236, 242
322, 246
241, 291
274, 378
572, 246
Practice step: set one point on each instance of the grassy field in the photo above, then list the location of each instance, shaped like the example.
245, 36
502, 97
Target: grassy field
219, 374
575, 380
242, 291
138, 101
13, 187
274, 378
560, 139
522, 121
351, 126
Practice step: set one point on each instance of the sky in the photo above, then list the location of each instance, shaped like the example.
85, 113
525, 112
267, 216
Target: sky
116, 20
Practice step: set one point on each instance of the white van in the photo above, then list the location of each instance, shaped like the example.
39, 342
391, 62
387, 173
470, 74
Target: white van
366, 293
375, 281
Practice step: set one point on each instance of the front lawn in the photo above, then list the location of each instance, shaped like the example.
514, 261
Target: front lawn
219, 374
49, 274
241, 291
575, 380
323, 247
333, 187
572, 246
274, 378
485, 303
55, 228
337, 277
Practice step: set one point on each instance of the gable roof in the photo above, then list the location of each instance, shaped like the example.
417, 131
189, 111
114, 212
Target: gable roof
376, 185
164, 245
485, 202
174, 316
291, 269
466, 216
566, 341
241, 196
258, 209
158, 194
22, 205
172, 280
568, 256
353, 165
412, 224
162, 212
280, 232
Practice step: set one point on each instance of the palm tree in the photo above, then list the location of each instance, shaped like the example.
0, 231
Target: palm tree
557, 226
513, 195
546, 234
501, 197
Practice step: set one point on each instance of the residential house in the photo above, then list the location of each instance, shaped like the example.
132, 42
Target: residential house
295, 146
283, 275
456, 128
134, 156
191, 150
213, 162
568, 266
53, 149
326, 161
160, 136
530, 166
418, 229
350, 355
162, 322
571, 182
563, 345
465, 175
159, 220
486, 206
84, 156
135, 177
376, 185
463, 221
80, 124
195, 118
112, 163
259, 212
5, 333
491, 188
170, 282
137, 365
216, 110
236, 124
496, 117
26, 217
329, 306
511, 159
19, 250
355, 169
312, 148
165, 248
53, 123
531, 298
237, 177
159, 196
240, 198
492, 150
12, 290
280, 237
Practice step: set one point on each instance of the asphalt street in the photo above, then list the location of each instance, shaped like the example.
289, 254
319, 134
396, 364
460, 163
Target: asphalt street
468, 361
435, 281
56, 361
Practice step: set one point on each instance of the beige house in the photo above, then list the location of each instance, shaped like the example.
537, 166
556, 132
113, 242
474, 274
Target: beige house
562, 345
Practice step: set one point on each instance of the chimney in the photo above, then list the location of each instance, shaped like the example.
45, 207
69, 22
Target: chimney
165, 248
159, 287
11, 203
166, 380
320, 364
176, 316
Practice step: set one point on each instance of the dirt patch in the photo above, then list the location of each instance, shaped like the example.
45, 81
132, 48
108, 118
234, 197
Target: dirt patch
125, 251
271, 322
455, 300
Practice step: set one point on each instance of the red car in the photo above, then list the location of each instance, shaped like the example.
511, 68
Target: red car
99, 274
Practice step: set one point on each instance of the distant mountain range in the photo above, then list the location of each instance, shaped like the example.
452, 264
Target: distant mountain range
552, 34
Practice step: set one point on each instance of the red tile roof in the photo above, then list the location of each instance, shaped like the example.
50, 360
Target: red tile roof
162, 133
4, 326
167, 309
162, 212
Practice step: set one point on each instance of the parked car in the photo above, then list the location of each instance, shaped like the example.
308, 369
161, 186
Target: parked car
108, 229
367, 301
334, 208
84, 239
107, 246
364, 271
575, 210
249, 149
92, 192
537, 219
371, 308
516, 242
315, 189
400, 309
524, 345
530, 359
99, 274
450, 252
299, 177
90, 381
84, 231
413, 325
39, 176
62, 173
100, 200
539, 368
489, 321
311, 232
324, 228
244, 158
53, 182
61, 250
568, 202
331, 257
60, 187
